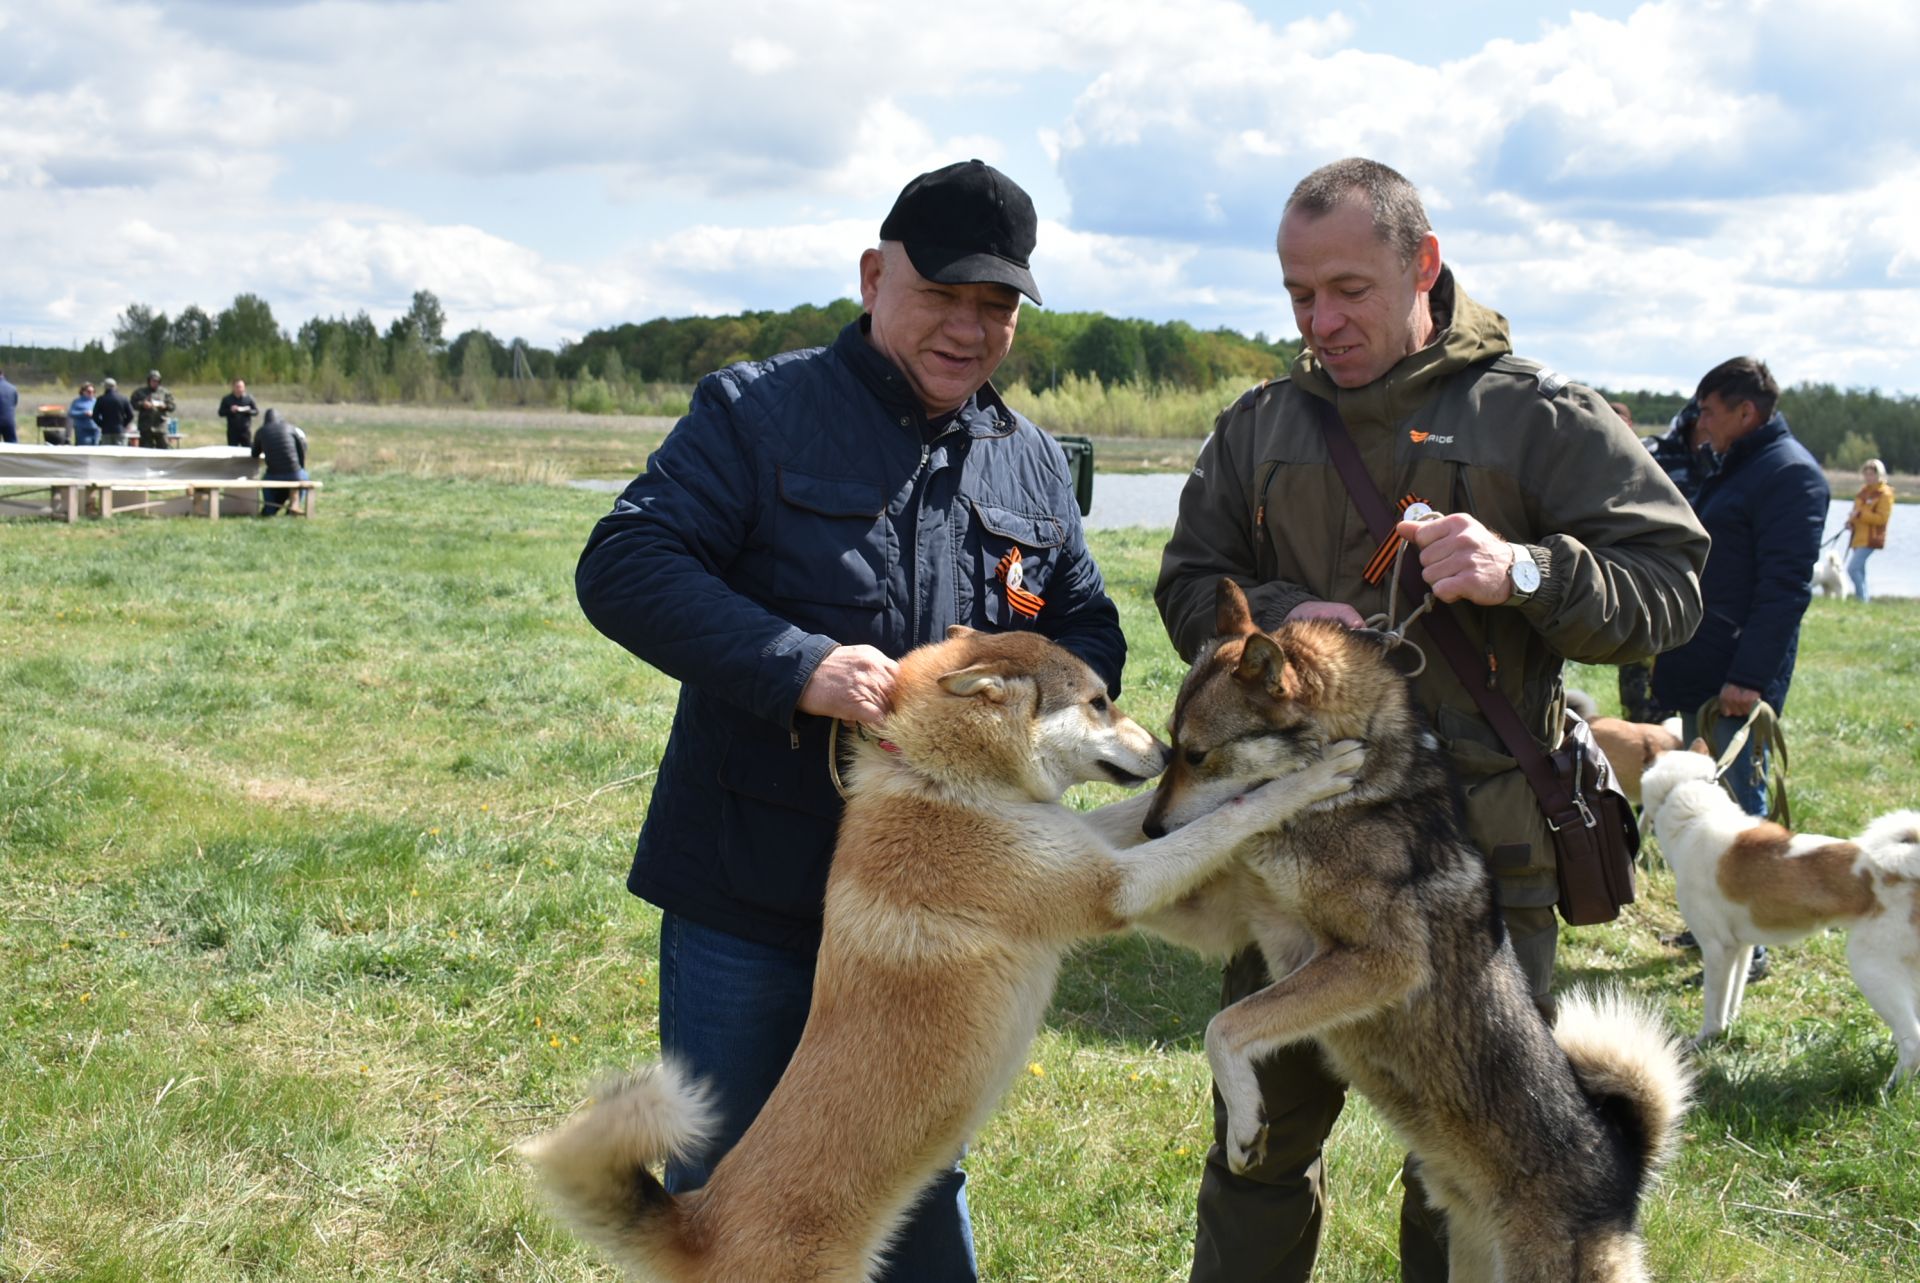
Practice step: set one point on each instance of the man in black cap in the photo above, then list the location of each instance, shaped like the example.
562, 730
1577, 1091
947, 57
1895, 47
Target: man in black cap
812, 518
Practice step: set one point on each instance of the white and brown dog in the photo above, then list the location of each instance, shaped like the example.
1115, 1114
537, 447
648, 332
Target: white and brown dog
1742, 881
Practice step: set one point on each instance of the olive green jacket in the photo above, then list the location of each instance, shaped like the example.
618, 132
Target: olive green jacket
153, 406
1467, 427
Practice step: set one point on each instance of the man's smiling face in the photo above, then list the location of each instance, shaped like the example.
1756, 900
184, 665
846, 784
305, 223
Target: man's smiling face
1358, 306
946, 339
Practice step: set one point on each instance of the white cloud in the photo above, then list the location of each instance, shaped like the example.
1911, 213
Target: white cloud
1641, 192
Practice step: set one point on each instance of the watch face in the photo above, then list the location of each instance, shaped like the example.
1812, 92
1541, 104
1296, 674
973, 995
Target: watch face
1526, 575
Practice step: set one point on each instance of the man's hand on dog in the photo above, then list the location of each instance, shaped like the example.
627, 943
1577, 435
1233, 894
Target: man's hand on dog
853, 683
1460, 559
1338, 611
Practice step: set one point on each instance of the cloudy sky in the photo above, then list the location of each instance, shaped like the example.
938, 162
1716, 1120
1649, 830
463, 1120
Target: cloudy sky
1643, 188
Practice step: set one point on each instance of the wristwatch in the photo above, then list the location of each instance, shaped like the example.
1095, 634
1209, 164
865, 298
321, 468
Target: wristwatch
1523, 574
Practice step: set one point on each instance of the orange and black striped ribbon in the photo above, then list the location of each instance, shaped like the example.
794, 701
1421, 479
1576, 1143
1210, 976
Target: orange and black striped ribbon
1383, 558
1020, 599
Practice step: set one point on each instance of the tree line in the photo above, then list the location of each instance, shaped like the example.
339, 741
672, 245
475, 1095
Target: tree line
647, 367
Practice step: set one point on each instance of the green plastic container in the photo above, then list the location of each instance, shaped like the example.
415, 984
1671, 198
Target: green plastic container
1079, 452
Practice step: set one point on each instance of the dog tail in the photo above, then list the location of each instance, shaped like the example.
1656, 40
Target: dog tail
1582, 703
1631, 1067
1893, 843
598, 1166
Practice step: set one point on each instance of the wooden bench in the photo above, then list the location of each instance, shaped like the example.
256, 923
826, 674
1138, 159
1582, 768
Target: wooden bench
103, 497
204, 496
106, 499
63, 497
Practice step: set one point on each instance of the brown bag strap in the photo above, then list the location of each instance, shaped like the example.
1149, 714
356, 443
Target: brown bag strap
1556, 802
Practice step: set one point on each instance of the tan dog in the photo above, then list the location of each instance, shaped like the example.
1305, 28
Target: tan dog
958, 883
1631, 747
1742, 881
1379, 917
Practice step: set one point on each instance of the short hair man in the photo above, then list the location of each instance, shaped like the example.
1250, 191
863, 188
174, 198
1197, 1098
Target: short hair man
1765, 506
238, 409
812, 518
153, 409
1561, 540
113, 412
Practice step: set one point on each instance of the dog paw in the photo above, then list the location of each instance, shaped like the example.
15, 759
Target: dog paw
1336, 772
1246, 1146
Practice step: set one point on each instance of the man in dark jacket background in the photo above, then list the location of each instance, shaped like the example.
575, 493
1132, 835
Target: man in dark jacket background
812, 518
238, 408
284, 448
1688, 460
113, 412
1765, 507
9, 411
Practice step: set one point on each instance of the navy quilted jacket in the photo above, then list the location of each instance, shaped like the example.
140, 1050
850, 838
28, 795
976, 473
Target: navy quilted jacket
799, 505
1765, 508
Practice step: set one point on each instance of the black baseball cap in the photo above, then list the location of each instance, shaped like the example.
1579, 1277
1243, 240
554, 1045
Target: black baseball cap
965, 224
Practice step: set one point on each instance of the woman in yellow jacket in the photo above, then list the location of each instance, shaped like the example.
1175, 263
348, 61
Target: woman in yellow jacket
1872, 509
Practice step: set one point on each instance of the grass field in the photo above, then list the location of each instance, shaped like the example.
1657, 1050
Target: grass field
311, 845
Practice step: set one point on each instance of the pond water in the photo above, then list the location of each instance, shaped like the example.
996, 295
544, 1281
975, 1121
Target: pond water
1151, 499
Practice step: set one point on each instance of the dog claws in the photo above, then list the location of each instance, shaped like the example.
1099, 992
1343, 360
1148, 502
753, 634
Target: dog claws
1245, 1155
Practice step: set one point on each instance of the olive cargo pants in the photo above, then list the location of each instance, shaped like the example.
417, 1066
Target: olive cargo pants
1264, 1226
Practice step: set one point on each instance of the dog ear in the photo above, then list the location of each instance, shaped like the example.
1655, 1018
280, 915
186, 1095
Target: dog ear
956, 631
1699, 746
1232, 617
983, 680
1263, 662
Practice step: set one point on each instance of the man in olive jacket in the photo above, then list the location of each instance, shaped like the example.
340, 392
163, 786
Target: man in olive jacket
1562, 539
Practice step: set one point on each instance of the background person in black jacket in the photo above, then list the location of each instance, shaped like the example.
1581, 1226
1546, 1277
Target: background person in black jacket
1765, 506
812, 518
238, 409
284, 447
113, 412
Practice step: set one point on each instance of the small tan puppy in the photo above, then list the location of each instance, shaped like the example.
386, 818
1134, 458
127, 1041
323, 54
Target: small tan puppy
958, 883
1741, 881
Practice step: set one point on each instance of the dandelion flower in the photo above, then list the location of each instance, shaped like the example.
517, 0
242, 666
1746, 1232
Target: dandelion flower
86, 997
1181, 1152
1037, 1069
554, 1041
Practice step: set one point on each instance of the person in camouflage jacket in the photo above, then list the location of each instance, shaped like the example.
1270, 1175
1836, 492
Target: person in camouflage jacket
152, 408
1562, 539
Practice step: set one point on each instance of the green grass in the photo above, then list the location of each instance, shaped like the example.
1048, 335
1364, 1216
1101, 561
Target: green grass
311, 845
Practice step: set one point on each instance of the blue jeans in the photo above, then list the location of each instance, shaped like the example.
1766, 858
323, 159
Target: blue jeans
1857, 571
1748, 785
86, 433
731, 1012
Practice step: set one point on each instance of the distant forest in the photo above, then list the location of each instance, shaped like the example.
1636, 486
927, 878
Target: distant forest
648, 367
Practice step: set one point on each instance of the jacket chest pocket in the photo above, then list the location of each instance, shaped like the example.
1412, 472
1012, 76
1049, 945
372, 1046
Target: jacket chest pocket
1014, 561
829, 541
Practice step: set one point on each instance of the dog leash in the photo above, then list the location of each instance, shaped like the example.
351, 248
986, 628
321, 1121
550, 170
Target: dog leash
1396, 634
1759, 732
